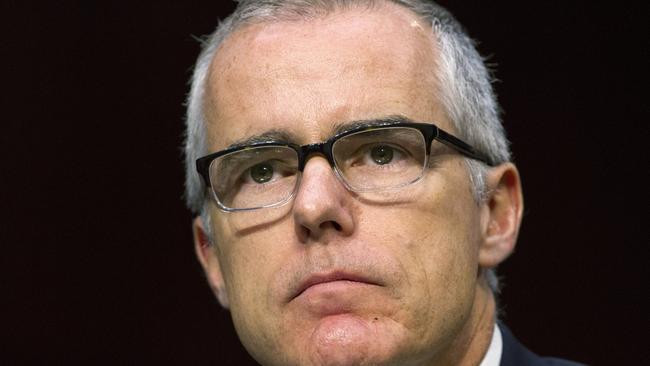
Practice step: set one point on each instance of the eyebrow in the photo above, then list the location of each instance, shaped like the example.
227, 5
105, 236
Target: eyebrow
372, 122
273, 135
285, 136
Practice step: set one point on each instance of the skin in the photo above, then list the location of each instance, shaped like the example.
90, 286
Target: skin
420, 298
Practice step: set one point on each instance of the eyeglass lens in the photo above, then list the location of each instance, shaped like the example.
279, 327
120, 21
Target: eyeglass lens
367, 160
380, 159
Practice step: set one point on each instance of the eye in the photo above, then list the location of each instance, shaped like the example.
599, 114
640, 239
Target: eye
267, 171
261, 173
378, 155
382, 154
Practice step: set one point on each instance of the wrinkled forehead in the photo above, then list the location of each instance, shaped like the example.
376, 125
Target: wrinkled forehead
307, 77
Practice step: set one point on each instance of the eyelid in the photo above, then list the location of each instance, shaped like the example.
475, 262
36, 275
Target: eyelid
363, 151
279, 167
401, 149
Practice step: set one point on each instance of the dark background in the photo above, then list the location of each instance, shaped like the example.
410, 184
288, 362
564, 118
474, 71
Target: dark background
96, 260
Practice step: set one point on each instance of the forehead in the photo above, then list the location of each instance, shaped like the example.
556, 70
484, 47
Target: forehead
308, 76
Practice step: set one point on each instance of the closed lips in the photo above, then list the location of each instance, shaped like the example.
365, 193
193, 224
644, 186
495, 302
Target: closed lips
332, 277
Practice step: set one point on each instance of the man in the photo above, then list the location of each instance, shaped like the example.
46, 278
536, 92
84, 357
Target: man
353, 185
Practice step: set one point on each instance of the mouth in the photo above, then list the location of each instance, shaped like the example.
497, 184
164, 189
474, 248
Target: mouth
331, 277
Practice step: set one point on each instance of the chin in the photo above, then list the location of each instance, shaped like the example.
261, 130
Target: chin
349, 339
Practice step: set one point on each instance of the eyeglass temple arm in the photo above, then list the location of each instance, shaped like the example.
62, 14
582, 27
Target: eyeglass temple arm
462, 147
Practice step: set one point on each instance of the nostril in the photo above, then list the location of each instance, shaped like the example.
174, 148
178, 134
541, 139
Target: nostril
303, 233
333, 224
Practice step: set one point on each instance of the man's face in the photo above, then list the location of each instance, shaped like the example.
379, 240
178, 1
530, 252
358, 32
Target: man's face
332, 277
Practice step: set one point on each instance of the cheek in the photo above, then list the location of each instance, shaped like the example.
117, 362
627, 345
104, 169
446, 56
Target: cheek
248, 263
434, 238
448, 228
249, 260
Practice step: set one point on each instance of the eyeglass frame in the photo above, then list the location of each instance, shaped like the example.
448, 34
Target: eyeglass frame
429, 131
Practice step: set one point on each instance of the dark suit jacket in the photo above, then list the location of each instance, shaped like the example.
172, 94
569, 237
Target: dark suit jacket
515, 354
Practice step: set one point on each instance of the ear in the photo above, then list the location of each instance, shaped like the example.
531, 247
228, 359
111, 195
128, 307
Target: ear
501, 215
206, 252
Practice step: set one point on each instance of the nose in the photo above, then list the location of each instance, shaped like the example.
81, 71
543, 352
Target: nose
322, 206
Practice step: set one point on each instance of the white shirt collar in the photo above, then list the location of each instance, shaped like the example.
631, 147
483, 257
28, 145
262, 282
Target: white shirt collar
493, 355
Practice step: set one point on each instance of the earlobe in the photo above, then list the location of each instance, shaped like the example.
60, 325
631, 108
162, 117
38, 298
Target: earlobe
502, 215
205, 252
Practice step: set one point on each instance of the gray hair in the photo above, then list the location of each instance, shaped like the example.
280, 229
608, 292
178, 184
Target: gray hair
465, 86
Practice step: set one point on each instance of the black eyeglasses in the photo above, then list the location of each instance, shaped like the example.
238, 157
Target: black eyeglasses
365, 159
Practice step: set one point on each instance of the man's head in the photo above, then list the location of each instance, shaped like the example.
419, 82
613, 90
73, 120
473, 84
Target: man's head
337, 275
